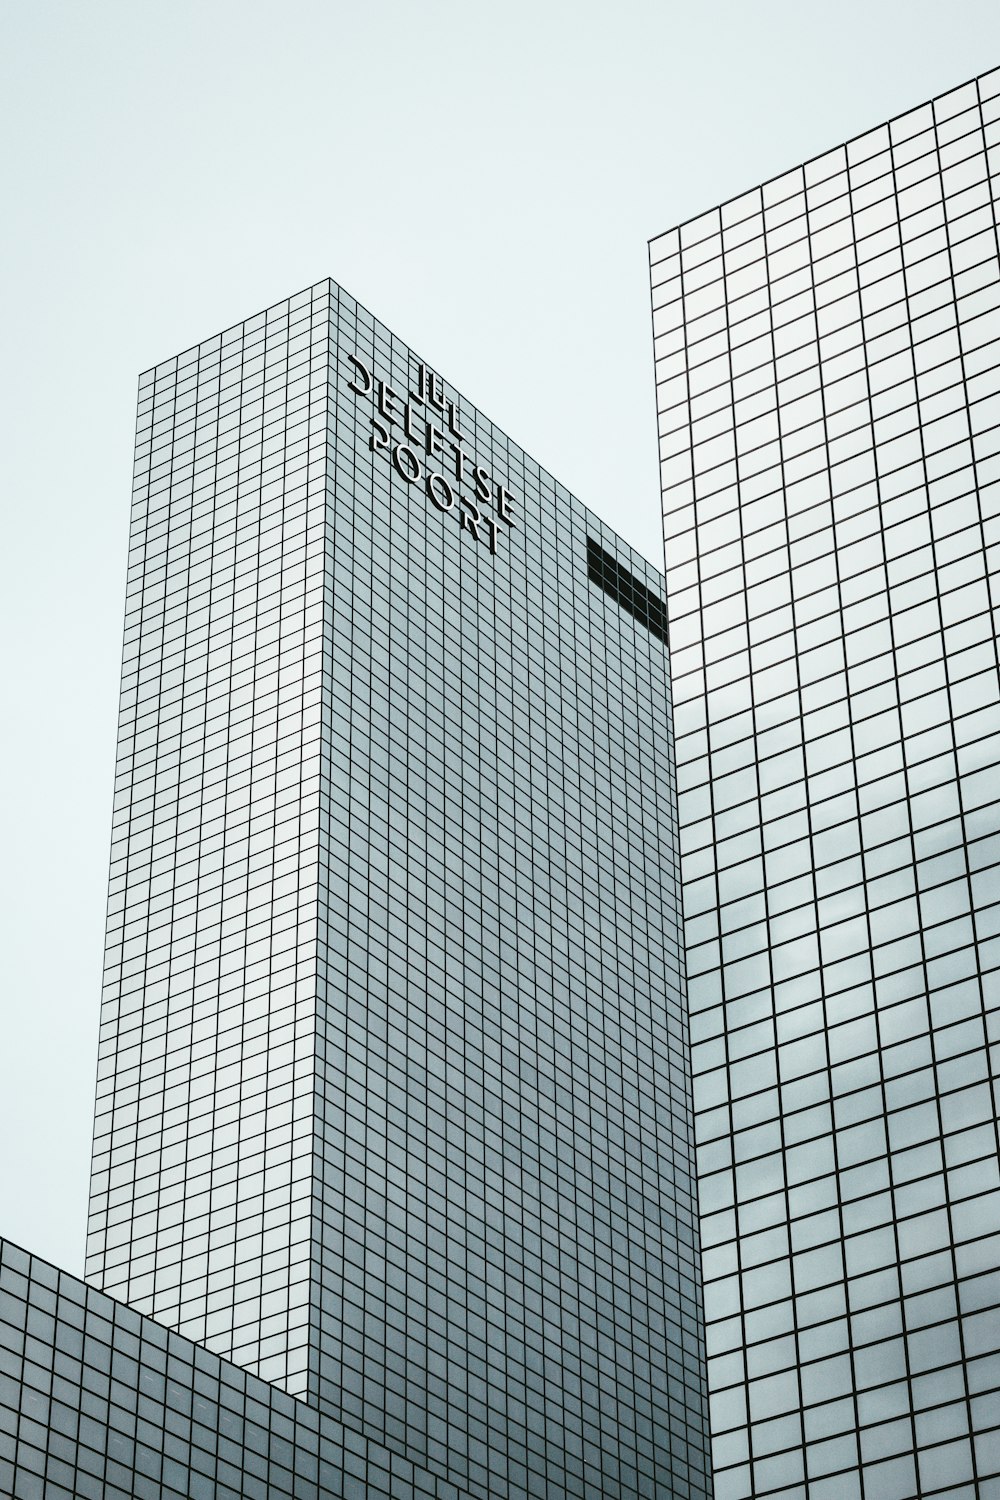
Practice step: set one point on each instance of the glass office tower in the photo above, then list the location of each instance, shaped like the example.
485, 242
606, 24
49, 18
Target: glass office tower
828, 383
394, 1104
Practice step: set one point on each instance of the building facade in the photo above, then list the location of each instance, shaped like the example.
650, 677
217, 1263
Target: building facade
393, 1104
98, 1402
828, 383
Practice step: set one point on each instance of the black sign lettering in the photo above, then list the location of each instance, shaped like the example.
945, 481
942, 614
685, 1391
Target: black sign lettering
410, 470
412, 433
471, 516
504, 501
482, 482
443, 496
430, 439
431, 388
365, 373
387, 399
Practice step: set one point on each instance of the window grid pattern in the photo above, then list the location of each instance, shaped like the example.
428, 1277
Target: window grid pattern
505, 1253
604, 569
98, 1402
401, 1120
828, 379
201, 1187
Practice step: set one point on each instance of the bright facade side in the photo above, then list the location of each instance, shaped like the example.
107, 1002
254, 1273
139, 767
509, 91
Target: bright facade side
393, 1103
828, 390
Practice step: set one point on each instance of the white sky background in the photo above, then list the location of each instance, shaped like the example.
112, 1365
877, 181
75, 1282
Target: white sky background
483, 176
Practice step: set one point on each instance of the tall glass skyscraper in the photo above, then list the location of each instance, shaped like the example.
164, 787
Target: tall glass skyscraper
828, 389
394, 1100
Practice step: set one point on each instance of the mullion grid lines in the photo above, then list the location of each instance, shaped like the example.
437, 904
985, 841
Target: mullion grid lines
100, 1403
882, 797
188, 1221
630, 594
502, 1254
496, 1060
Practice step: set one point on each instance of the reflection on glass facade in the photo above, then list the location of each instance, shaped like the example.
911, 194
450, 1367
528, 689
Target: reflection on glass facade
98, 1402
828, 369
394, 1099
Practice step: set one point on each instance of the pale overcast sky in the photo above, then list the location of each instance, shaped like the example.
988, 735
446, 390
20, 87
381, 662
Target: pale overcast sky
483, 176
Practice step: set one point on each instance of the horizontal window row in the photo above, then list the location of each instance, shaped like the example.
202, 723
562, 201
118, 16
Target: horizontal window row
950, 117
